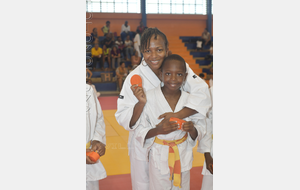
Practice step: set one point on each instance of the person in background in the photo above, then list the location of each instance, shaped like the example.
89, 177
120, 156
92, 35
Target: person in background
115, 57
121, 46
121, 73
205, 146
108, 40
141, 27
205, 38
137, 43
125, 30
94, 34
106, 56
96, 56
210, 55
135, 60
89, 81
201, 75
106, 28
89, 74
128, 47
95, 139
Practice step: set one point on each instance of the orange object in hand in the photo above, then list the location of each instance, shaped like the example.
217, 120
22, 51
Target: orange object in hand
179, 121
94, 156
136, 79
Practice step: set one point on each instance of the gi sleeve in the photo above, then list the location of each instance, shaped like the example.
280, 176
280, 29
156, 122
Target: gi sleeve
142, 130
199, 97
126, 103
200, 126
204, 144
99, 133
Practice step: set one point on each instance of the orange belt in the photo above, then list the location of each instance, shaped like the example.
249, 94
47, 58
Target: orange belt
174, 158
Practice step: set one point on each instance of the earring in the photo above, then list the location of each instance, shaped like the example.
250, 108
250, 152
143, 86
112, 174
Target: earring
143, 62
162, 84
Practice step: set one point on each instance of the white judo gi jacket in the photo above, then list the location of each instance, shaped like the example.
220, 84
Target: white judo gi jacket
95, 130
206, 143
199, 99
155, 106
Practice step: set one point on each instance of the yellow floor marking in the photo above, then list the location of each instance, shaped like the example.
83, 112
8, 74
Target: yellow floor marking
110, 132
116, 160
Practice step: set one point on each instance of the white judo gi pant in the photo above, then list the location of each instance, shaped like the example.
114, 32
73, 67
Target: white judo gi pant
139, 174
92, 185
163, 182
207, 182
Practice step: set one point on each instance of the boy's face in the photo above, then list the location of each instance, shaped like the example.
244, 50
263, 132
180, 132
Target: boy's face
173, 74
155, 53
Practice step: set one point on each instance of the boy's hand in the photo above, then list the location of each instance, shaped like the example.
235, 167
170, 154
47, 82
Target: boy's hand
98, 147
209, 162
166, 127
88, 160
188, 127
139, 93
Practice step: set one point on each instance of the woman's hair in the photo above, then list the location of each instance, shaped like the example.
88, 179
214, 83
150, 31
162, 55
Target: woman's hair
173, 57
94, 29
146, 37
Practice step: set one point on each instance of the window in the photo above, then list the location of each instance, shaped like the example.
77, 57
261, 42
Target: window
176, 7
113, 6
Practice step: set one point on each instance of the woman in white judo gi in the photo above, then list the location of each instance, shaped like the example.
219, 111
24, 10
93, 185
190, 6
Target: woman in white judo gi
95, 139
205, 146
132, 99
170, 149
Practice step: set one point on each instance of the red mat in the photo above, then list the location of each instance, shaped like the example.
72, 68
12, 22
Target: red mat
108, 102
123, 182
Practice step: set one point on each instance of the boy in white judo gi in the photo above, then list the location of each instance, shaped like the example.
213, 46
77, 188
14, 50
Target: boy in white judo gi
170, 149
205, 146
95, 139
132, 99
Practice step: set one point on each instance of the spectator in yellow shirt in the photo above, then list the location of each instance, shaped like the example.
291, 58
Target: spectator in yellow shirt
96, 56
106, 28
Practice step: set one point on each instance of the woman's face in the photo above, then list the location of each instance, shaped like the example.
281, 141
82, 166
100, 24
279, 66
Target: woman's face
155, 53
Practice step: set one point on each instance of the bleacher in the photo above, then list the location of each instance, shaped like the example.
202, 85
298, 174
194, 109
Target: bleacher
190, 44
182, 45
98, 77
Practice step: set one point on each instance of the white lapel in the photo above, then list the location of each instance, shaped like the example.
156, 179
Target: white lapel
149, 75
